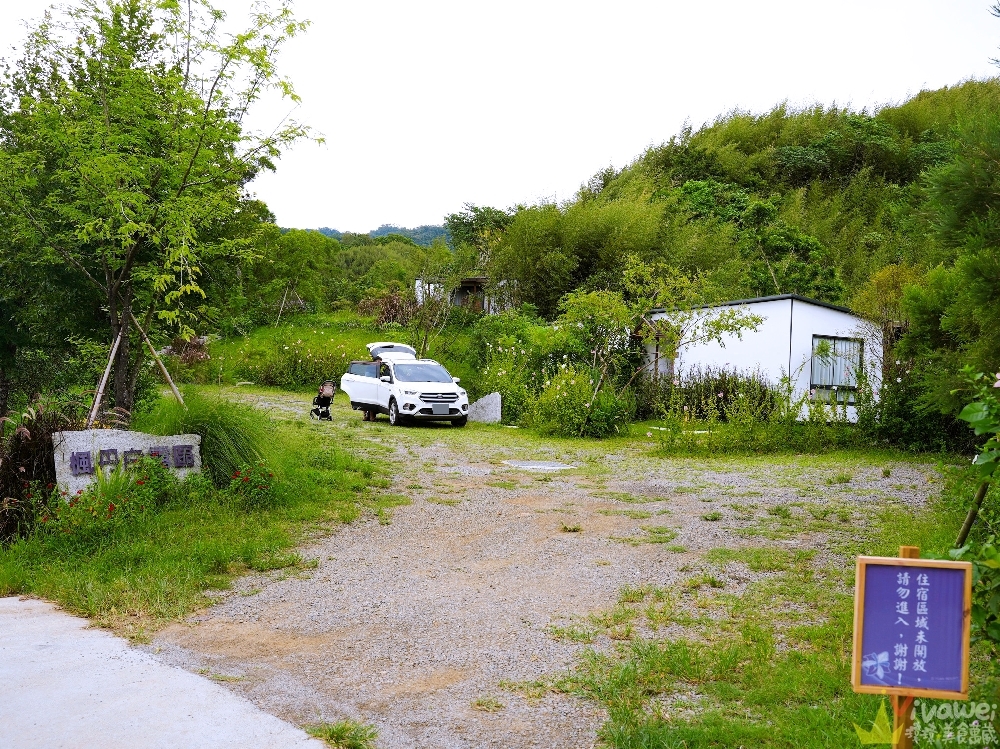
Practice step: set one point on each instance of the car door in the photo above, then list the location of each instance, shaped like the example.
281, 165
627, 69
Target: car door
384, 388
359, 382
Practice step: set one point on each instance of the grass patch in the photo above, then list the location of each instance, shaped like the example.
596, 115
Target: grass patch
633, 514
572, 633
441, 501
503, 484
345, 734
841, 477
574, 528
780, 511
487, 705
756, 558
156, 568
712, 517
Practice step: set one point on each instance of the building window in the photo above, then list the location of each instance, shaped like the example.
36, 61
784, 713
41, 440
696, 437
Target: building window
836, 363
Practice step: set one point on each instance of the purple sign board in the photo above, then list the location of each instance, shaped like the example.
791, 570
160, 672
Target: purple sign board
911, 627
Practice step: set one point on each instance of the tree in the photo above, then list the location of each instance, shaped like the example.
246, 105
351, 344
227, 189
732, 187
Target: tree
613, 325
478, 226
123, 149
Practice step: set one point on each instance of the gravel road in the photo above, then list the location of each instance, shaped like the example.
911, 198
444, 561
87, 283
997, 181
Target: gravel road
408, 625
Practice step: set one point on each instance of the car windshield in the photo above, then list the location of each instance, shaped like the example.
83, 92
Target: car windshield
422, 373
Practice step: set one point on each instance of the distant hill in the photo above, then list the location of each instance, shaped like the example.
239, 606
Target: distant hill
422, 235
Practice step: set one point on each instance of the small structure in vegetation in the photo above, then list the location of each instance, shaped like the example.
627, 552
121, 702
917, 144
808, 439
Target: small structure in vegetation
814, 348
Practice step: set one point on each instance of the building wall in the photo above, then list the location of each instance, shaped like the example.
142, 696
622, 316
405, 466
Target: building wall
782, 344
765, 350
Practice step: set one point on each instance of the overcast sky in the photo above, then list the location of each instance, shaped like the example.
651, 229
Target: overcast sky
429, 105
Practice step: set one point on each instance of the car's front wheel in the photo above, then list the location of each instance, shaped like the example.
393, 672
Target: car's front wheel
394, 418
461, 422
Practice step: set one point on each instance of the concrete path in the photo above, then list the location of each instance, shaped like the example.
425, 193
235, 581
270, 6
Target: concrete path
64, 686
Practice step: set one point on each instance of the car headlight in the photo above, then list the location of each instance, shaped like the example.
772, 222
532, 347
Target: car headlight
409, 392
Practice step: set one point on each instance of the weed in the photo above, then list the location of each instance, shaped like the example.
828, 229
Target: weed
756, 558
628, 594
503, 484
439, 501
712, 516
660, 534
886, 473
633, 514
572, 633
345, 734
842, 477
487, 705
575, 528
702, 580
820, 512
780, 511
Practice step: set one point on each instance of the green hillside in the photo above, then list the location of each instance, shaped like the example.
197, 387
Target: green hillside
889, 212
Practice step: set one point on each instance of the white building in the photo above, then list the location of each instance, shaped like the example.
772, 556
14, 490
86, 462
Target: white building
791, 341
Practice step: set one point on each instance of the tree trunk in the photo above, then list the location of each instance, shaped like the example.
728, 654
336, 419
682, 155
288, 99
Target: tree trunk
121, 322
4, 392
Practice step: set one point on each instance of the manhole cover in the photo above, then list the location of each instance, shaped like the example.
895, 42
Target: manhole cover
538, 465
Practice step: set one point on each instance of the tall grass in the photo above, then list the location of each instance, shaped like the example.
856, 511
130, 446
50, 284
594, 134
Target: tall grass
233, 435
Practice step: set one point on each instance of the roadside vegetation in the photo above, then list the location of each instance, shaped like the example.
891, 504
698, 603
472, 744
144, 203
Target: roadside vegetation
140, 548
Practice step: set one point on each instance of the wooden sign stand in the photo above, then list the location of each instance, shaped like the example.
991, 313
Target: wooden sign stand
902, 697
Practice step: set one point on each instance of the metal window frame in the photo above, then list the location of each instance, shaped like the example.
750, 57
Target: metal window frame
850, 389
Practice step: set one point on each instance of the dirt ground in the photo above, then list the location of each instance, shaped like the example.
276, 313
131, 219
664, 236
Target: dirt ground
415, 626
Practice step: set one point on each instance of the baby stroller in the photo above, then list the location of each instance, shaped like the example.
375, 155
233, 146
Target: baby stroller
321, 403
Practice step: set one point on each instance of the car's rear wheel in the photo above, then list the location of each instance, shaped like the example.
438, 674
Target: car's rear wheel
394, 418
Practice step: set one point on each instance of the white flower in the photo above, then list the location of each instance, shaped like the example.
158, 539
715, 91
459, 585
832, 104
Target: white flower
649, 434
899, 379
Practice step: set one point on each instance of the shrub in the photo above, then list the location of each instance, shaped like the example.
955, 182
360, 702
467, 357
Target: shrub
292, 365
392, 307
233, 435
27, 465
508, 374
902, 417
114, 499
707, 393
567, 406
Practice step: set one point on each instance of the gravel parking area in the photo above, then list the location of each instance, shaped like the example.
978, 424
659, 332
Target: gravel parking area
414, 626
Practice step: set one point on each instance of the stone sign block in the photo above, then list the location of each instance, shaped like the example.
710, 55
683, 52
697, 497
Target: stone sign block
486, 409
80, 454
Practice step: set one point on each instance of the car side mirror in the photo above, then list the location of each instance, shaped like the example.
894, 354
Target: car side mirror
457, 379
385, 378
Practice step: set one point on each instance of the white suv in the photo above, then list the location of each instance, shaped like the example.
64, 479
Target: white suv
396, 383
